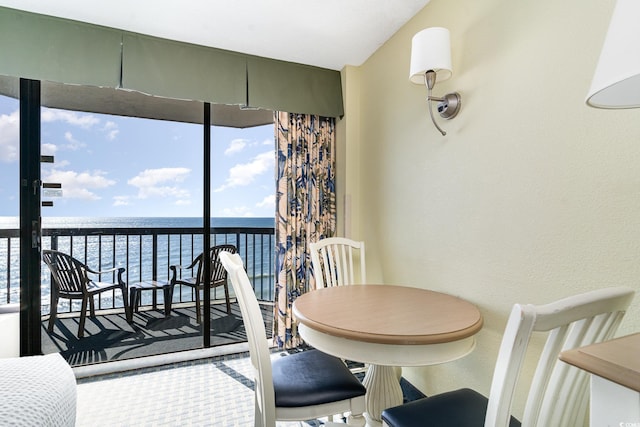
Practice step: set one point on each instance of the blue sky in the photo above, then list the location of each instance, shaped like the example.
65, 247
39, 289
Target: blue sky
120, 166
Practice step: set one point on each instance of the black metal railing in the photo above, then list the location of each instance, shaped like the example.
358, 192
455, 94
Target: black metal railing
146, 254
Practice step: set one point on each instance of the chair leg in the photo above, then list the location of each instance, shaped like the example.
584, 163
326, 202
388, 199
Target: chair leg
83, 316
128, 311
226, 294
258, 422
92, 305
198, 319
53, 312
133, 304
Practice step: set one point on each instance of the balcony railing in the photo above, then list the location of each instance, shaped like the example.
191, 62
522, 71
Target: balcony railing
146, 254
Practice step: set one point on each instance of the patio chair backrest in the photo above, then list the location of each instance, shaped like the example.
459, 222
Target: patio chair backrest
335, 261
69, 274
218, 273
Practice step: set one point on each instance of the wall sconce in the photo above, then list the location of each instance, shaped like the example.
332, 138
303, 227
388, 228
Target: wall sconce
431, 63
616, 81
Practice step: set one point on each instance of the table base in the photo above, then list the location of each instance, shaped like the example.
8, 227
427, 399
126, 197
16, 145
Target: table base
383, 391
151, 285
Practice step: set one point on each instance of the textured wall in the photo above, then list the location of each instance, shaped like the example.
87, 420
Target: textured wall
532, 196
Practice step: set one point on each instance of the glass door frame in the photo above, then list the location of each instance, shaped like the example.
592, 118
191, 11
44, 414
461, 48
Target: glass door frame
31, 222
30, 219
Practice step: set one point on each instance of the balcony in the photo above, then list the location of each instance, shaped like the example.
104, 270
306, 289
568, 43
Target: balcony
146, 254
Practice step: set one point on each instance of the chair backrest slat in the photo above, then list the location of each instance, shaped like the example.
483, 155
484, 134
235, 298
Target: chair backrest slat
557, 395
69, 274
335, 262
217, 271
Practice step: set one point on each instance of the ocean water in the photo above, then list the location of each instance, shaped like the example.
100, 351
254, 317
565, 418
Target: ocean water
135, 253
9, 222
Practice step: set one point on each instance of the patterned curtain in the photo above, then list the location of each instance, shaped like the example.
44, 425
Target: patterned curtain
306, 209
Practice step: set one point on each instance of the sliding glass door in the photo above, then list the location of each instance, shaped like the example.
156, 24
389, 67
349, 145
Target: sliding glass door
121, 192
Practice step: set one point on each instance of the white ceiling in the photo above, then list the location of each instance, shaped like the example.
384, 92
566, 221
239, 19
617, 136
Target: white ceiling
323, 33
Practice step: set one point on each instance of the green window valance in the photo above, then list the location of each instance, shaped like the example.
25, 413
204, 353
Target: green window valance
45, 48
295, 88
60, 50
183, 71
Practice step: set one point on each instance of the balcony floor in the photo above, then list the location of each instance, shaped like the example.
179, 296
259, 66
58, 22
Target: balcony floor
108, 337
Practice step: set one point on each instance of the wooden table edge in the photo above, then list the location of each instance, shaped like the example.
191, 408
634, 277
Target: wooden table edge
393, 339
581, 358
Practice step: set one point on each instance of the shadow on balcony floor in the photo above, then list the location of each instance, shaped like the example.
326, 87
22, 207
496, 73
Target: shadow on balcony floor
108, 337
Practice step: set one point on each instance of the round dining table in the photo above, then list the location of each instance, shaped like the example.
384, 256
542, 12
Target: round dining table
387, 326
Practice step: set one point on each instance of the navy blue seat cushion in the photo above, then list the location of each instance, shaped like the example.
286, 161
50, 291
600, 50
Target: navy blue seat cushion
311, 378
459, 408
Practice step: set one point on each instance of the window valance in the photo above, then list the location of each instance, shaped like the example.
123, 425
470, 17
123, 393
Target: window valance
60, 50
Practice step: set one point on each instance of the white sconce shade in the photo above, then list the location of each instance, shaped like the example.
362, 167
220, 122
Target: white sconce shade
430, 50
616, 82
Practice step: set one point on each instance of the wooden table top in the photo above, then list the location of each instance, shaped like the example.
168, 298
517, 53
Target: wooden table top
616, 360
388, 314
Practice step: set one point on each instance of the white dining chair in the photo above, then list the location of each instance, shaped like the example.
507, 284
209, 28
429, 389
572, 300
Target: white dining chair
297, 387
335, 262
558, 395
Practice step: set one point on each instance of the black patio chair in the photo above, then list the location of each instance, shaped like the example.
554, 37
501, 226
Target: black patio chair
196, 282
71, 280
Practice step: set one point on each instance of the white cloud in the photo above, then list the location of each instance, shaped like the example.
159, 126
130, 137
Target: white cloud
79, 185
48, 149
82, 120
244, 174
9, 136
269, 201
120, 200
149, 183
73, 144
236, 146
111, 130
238, 211
268, 142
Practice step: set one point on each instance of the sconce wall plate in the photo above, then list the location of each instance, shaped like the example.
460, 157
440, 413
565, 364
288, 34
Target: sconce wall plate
449, 107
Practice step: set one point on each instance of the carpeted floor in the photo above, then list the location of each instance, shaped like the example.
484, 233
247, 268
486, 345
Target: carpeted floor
216, 391
108, 337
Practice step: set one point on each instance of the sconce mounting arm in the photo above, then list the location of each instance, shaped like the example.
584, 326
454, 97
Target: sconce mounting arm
448, 106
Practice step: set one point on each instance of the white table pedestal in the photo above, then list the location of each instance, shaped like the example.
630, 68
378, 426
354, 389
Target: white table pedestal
383, 390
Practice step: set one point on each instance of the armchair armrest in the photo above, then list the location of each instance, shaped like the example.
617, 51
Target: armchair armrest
175, 268
174, 271
120, 271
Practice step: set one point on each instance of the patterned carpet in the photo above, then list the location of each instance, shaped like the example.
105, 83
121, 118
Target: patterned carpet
208, 392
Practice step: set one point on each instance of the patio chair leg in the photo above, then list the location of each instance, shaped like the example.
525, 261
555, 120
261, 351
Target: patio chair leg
133, 305
53, 311
128, 313
83, 316
226, 295
198, 305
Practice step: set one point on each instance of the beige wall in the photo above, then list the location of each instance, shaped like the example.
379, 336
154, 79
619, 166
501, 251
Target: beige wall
531, 196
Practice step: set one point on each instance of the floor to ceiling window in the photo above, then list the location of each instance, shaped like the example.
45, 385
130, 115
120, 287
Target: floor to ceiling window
128, 192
